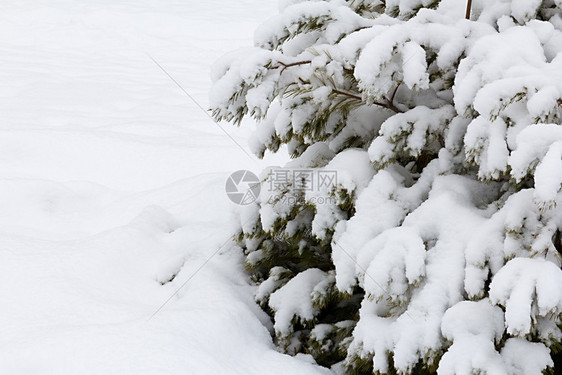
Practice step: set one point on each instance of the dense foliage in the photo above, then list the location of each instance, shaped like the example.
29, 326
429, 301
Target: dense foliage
437, 246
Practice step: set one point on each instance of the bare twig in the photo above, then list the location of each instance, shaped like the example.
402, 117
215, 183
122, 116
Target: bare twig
349, 95
468, 9
391, 106
285, 66
391, 100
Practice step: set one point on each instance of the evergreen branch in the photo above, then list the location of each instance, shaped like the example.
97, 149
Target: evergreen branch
387, 105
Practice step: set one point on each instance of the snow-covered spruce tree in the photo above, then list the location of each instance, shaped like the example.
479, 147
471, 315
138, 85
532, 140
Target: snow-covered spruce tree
438, 246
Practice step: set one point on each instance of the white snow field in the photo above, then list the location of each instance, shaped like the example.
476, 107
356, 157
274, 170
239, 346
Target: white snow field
111, 182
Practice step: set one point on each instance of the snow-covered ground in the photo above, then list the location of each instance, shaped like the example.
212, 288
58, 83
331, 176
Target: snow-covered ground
112, 182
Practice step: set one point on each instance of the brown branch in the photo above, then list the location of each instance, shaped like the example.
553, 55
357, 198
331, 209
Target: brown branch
391, 106
468, 9
285, 66
349, 95
391, 100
